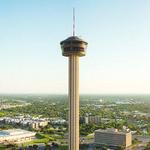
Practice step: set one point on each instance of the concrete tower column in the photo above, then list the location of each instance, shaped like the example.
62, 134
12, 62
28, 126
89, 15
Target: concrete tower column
74, 102
73, 48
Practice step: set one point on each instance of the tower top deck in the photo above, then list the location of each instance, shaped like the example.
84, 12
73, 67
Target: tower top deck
72, 39
73, 46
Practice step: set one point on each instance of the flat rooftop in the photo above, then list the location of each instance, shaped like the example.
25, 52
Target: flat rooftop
12, 132
112, 131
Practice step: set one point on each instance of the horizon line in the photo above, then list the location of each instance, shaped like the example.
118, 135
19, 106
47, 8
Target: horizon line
80, 93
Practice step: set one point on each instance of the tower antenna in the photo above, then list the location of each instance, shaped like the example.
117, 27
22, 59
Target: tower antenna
73, 21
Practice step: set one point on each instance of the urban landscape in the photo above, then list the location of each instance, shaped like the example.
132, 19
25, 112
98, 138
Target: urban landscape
106, 121
74, 75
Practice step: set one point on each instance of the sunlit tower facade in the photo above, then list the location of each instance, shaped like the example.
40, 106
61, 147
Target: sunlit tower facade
73, 47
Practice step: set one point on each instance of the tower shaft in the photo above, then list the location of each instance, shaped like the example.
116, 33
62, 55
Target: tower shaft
74, 102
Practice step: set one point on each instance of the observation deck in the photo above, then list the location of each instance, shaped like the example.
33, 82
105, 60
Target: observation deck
73, 46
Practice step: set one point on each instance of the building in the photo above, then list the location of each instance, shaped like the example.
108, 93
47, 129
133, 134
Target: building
38, 124
90, 119
94, 119
113, 137
58, 121
16, 135
35, 123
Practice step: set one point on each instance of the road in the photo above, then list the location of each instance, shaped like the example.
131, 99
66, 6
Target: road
144, 139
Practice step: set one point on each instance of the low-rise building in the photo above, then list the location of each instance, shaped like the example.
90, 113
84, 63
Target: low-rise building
113, 137
58, 121
90, 119
34, 123
16, 135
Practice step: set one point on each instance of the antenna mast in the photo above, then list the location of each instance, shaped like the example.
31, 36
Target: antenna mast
73, 21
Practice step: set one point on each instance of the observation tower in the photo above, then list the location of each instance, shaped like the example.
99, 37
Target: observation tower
73, 47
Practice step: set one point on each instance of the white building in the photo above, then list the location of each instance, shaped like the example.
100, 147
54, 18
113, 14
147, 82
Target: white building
16, 135
35, 123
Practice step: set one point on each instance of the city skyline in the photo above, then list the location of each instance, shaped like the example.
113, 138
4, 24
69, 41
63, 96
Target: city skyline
117, 60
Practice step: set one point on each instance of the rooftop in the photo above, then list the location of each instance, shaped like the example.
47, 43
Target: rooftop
73, 38
113, 131
12, 132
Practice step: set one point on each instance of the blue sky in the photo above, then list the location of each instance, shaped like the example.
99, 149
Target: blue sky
118, 54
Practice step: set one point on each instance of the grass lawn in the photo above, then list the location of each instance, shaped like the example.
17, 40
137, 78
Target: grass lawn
2, 147
63, 147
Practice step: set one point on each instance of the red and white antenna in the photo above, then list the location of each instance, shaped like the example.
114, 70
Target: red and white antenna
73, 21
